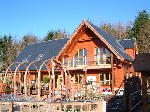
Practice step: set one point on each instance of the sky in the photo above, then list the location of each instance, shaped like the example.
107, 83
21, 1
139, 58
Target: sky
37, 17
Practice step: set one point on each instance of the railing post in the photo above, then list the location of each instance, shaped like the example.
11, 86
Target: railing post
85, 60
98, 59
68, 62
73, 62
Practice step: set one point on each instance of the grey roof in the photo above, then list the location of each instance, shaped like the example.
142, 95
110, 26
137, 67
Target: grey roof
127, 43
112, 41
47, 50
42, 51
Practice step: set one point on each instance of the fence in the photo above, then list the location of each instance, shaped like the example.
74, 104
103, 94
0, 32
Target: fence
95, 106
135, 99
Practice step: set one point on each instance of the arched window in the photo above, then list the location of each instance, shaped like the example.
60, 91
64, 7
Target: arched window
80, 57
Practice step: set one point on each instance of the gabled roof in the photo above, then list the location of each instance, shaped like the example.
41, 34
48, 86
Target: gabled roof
113, 42
108, 39
127, 43
42, 50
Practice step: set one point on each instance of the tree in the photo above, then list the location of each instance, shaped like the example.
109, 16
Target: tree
51, 35
144, 38
60, 34
5, 45
139, 31
139, 23
118, 30
27, 39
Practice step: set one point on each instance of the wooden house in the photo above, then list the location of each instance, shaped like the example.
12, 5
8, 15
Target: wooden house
90, 57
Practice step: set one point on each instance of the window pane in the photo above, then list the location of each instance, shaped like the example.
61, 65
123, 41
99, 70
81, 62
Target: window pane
101, 51
102, 78
85, 52
107, 51
108, 57
81, 60
107, 78
81, 52
76, 55
102, 60
96, 51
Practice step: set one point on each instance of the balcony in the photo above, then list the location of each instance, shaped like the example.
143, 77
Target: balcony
91, 62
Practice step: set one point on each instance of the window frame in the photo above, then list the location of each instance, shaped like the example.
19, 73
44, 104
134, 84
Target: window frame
78, 59
101, 57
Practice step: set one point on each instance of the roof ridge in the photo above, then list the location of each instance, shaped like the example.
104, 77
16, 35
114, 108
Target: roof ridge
128, 39
47, 41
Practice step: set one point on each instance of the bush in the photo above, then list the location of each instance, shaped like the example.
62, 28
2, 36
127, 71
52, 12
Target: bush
46, 80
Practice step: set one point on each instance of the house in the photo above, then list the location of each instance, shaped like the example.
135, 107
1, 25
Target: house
92, 59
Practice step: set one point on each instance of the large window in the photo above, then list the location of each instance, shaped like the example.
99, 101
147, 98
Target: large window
102, 56
105, 78
80, 57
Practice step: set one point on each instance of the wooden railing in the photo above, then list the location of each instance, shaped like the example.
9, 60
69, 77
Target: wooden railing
95, 106
86, 61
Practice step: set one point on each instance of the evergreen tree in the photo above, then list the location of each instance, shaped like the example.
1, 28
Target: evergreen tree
49, 36
139, 23
139, 31
5, 45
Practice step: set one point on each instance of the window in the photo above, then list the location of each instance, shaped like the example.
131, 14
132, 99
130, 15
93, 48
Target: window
80, 57
105, 78
102, 56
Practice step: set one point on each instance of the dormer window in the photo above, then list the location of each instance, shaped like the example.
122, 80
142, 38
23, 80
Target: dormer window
40, 57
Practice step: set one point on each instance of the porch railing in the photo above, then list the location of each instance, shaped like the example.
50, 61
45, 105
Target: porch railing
87, 61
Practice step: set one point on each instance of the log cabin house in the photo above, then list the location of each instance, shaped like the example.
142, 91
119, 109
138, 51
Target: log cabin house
91, 58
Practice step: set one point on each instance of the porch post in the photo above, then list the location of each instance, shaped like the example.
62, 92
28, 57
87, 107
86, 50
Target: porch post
69, 86
85, 75
39, 86
66, 84
112, 80
20, 82
49, 85
144, 91
53, 94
